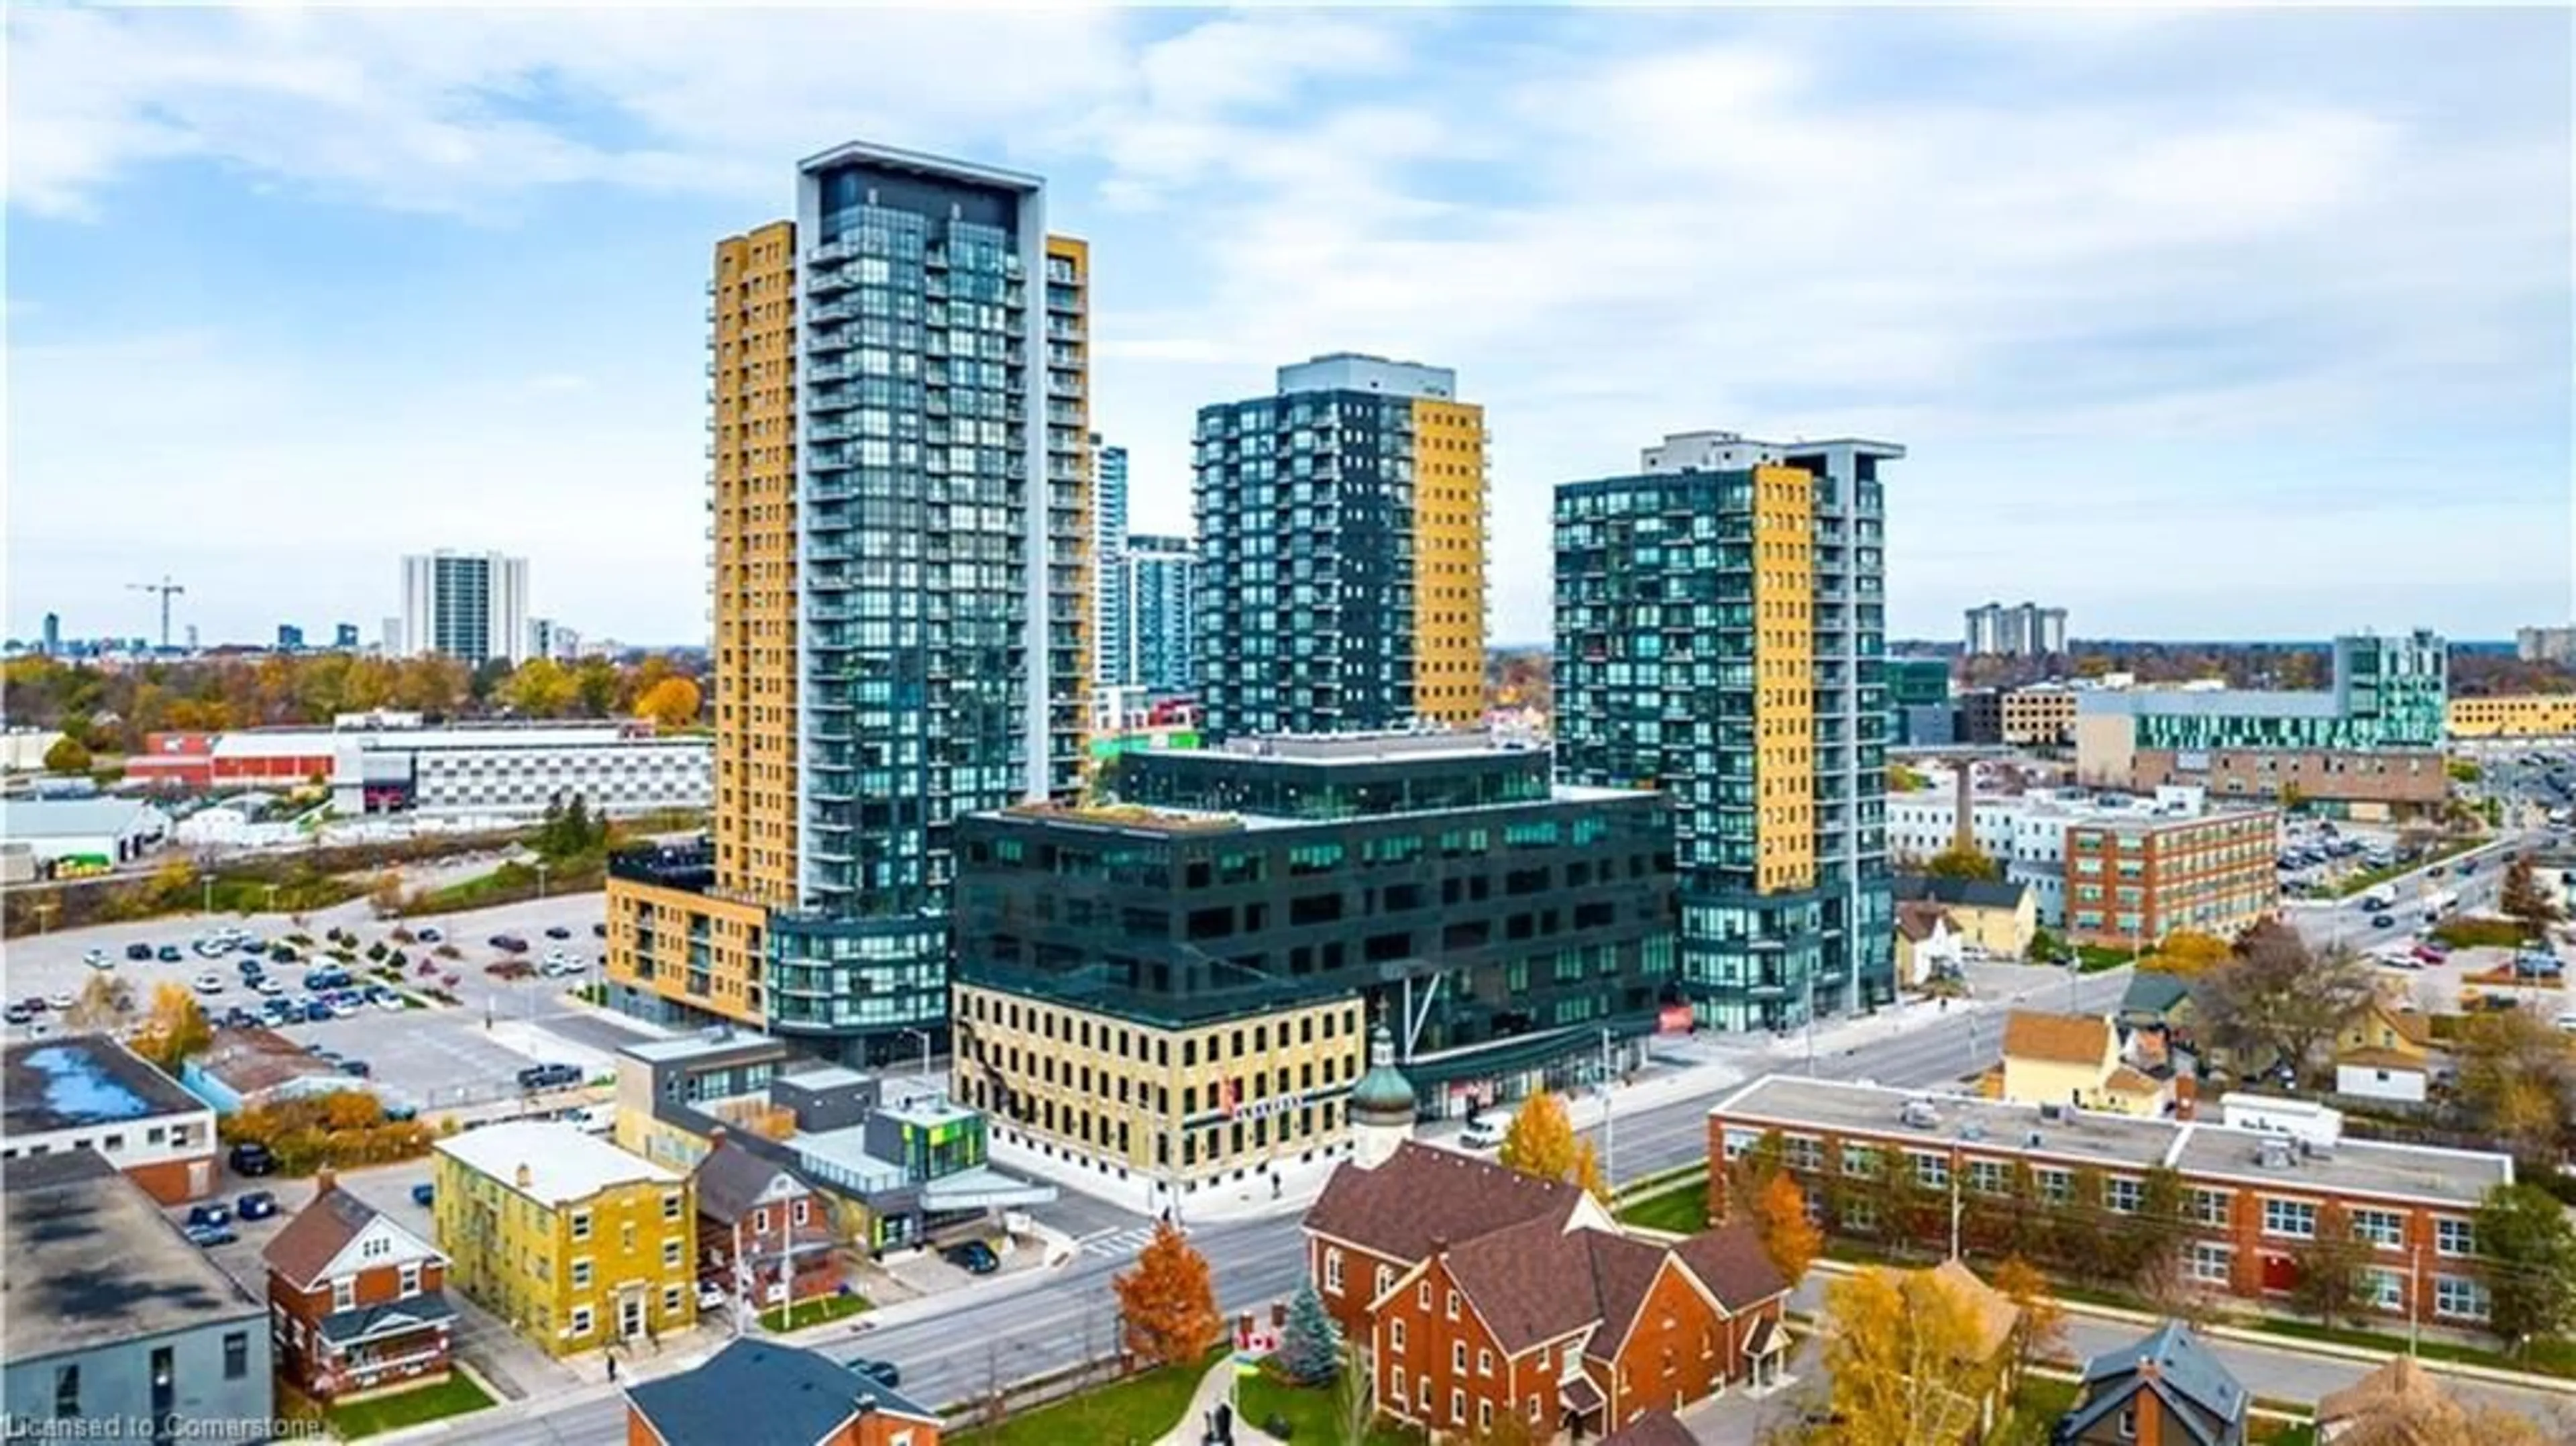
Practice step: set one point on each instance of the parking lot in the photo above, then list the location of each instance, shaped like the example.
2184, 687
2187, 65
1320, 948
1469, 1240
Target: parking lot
441, 1057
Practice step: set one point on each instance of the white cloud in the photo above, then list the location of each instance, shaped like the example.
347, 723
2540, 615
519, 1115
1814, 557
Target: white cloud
2124, 231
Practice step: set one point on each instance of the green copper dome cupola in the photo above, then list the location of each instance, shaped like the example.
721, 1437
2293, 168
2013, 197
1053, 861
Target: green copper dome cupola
1383, 1095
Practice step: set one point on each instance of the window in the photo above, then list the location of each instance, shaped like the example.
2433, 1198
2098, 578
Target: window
2057, 1187
1332, 1270
2212, 1264
1425, 1396
1484, 1415
1395, 1335
799, 1213
581, 1320
581, 1225
411, 1279
1989, 1177
2209, 1207
2296, 1219
2459, 1298
670, 1300
2121, 1194
1453, 1307
670, 1253
2129, 1424
2455, 1237
1422, 1296
760, 1221
581, 1274
1457, 1407
1933, 1170
671, 1205
1385, 1281
1737, 1142
236, 1355
1484, 1363
1458, 1357
2386, 1289
2383, 1228
344, 1293
67, 1390
1397, 1381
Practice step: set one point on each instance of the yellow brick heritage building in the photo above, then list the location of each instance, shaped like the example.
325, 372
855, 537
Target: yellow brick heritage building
572, 1241
2518, 715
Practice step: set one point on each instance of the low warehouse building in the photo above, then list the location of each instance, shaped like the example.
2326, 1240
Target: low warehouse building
67, 835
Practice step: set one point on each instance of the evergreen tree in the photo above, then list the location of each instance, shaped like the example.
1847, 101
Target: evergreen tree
1310, 1346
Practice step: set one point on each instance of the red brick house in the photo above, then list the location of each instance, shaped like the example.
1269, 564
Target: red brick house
792, 1397
357, 1304
763, 1230
1540, 1305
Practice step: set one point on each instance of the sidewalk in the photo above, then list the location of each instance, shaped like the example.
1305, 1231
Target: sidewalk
1217, 1385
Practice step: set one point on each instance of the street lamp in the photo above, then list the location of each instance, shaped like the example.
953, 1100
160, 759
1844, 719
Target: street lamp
541, 879
924, 1036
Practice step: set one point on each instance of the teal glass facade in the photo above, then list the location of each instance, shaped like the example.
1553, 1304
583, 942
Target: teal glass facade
2388, 692
1655, 683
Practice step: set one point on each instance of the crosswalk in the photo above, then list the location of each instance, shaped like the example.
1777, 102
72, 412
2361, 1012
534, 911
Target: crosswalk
1121, 1244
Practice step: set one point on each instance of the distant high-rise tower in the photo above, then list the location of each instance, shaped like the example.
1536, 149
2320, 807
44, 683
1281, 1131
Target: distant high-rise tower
1341, 528
1162, 586
902, 511
550, 639
470, 606
53, 644
290, 638
344, 636
1721, 636
1113, 649
2026, 631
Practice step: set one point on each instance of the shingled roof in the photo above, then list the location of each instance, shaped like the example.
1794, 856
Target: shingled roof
1731, 1262
1423, 1193
1657, 1427
2062, 1038
319, 1232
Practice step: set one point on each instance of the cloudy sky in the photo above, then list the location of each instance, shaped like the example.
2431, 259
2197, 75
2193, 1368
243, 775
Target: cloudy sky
2200, 324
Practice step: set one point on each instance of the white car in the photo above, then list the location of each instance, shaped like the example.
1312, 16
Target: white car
711, 1296
59, 1002
1487, 1132
99, 959
210, 982
2567, 1022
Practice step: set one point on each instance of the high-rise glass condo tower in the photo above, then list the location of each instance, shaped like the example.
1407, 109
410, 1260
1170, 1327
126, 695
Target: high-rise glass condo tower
1162, 586
1720, 635
1342, 551
471, 606
1112, 654
903, 590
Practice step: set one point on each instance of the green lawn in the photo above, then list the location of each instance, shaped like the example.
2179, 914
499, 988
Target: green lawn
812, 1312
452, 1397
1131, 1413
1684, 1210
1312, 1414
2266, 1432
2035, 1409
2546, 1357
2094, 958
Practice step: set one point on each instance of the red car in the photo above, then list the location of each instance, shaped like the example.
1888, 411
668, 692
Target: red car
2431, 953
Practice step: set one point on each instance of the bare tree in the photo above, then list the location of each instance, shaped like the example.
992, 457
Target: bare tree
1355, 1394
996, 1405
2275, 1001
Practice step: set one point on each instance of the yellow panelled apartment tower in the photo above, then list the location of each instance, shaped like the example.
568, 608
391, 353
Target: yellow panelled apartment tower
900, 501
1341, 583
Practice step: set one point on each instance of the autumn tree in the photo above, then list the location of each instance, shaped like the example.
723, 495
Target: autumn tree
1791, 1240
2040, 1331
67, 755
595, 682
2524, 901
2333, 1283
2188, 954
385, 895
672, 702
1355, 1394
2530, 1250
105, 1003
1963, 861
2276, 1000
1542, 1142
1901, 1350
2517, 1080
1310, 1344
1167, 1304
176, 1028
2437, 1419
537, 688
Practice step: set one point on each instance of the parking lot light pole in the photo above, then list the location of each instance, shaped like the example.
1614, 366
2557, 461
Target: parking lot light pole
924, 1036
541, 880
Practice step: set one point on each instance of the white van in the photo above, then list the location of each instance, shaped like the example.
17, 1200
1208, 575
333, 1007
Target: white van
1487, 1132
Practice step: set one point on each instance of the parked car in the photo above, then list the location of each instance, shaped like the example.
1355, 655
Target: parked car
426, 936
884, 1373
423, 1195
324, 1053
256, 1205
974, 1257
711, 1296
213, 1212
140, 952
98, 959
2383, 921
210, 982
206, 1237
599, 931
549, 1076
60, 1001
558, 932
2429, 952
509, 943
315, 1011
238, 1017
17, 1013
358, 1067
169, 954
1486, 1131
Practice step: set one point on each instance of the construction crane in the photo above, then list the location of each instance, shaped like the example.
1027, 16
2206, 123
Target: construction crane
167, 589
